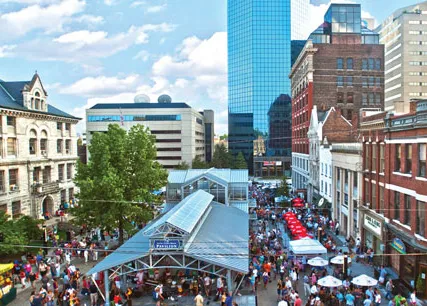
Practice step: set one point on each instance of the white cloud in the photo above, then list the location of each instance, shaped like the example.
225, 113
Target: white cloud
196, 58
101, 86
5, 50
90, 19
110, 2
138, 3
52, 86
196, 74
85, 46
156, 8
49, 18
29, 1
143, 55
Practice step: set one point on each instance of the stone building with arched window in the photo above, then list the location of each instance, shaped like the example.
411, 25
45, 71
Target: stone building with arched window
38, 150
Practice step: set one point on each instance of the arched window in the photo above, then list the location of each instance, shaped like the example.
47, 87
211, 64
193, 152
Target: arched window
43, 143
33, 142
37, 101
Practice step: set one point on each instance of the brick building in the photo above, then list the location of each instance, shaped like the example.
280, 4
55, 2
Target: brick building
341, 66
395, 184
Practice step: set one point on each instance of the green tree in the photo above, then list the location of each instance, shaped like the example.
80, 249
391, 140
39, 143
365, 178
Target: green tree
20, 231
198, 163
79, 142
240, 162
182, 166
221, 157
116, 184
283, 189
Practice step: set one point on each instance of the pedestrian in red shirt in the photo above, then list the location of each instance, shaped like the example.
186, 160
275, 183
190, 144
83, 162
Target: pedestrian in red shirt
298, 301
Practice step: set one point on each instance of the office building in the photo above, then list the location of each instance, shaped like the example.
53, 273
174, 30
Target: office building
182, 133
259, 60
38, 150
300, 13
404, 35
341, 66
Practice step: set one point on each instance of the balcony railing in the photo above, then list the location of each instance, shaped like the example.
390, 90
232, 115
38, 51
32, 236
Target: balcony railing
46, 188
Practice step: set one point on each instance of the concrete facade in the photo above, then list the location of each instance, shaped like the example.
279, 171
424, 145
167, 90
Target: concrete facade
38, 151
179, 129
403, 35
346, 182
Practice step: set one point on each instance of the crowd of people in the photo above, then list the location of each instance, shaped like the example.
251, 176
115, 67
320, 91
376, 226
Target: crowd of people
296, 282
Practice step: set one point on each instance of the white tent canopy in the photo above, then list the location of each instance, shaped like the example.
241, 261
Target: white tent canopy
307, 246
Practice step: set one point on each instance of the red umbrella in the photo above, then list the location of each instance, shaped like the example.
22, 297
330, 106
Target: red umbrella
298, 232
289, 213
299, 205
299, 226
297, 200
289, 218
294, 221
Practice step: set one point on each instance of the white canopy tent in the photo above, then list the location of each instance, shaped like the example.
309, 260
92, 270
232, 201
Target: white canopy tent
307, 246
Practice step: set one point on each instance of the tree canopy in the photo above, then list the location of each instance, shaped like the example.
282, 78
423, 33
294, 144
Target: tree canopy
283, 189
198, 163
240, 162
116, 184
182, 166
17, 231
221, 157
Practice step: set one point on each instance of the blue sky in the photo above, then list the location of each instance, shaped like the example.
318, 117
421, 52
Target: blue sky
92, 51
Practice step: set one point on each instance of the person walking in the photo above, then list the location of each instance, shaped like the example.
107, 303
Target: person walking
306, 281
377, 297
389, 288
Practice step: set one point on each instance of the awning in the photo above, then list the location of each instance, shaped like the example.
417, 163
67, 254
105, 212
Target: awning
5, 267
307, 246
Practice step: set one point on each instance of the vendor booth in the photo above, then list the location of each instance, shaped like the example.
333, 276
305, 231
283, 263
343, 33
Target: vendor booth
196, 237
7, 290
307, 247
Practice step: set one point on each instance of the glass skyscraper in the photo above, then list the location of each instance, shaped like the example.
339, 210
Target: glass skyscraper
259, 62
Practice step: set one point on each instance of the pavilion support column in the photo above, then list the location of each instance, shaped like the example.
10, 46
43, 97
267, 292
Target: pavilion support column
107, 288
229, 281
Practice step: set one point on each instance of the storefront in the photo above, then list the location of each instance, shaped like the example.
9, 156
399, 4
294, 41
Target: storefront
412, 270
7, 290
372, 232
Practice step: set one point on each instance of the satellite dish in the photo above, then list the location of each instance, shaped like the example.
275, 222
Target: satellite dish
141, 99
322, 200
164, 99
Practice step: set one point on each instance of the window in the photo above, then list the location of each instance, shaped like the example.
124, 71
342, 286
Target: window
59, 126
46, 174
422, 159
367, 196
371, 64
32, 147
69, 171
43, 146
407, 214
59, 146
340, 81
408, 158
371, 81
11, 121
364, 81
355, 183
349, 63
374, 196
340, 97
68, 146
16, 209
2, 181
364, 64
71, 193
36, 175
367, 157
346, 176
364, 98
382, 158
321, 186
61, 172
377, 96
374, 157
63, 196
381, 200
349, 81
11, 146
397, 155
421, 218
377, 82
396, 205
340, 63
377, 64
13, 179
67, 126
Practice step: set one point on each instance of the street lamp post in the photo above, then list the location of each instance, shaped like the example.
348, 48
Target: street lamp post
319, 234
345, 267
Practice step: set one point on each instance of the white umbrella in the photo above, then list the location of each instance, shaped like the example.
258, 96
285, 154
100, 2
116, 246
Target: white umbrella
329, 281
339, 260
364, 280
317, 262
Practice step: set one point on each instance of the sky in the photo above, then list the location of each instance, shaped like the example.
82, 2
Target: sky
108, 51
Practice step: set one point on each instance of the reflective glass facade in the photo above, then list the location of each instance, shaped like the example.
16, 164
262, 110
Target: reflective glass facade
259, 61
118, 118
